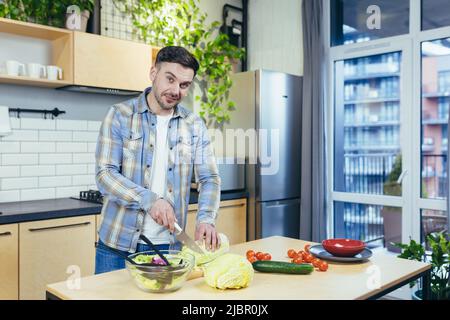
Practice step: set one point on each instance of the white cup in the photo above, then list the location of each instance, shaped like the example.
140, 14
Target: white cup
14, 68
35, 70
54, 73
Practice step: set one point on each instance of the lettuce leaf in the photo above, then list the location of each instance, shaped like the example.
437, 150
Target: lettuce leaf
208, 256
229, 271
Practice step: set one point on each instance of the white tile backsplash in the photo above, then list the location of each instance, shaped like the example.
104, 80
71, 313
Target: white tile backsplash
37, 147
9, 196
9, 171
37, 171
84, 158
84, 179
73, 125
37, 194
92, 146
63, 192
22, 135
19, 183
55, 135
85, 136
55, 158
91, 169
71, 147
43, 124
45, 159
94, 125
15, 123
71, 169
9, 147
19, 159
55, 181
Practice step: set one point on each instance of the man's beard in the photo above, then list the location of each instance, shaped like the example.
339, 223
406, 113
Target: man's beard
163, 105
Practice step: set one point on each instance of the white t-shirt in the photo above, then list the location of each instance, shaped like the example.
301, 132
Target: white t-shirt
156, 233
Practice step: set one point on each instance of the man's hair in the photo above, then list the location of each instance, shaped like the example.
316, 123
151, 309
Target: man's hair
179, 55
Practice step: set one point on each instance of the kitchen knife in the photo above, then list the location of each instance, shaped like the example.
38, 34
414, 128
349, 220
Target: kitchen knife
186, 240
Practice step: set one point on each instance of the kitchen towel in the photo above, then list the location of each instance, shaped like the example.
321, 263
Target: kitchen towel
5, 124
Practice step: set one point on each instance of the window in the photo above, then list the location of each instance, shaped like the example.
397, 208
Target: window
435, 14
363, 20
368, 160
387, 129
435, 107
433, 221
369, 223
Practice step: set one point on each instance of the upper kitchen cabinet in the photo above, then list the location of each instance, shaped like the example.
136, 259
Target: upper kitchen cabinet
111, 63
33, 43
85, 59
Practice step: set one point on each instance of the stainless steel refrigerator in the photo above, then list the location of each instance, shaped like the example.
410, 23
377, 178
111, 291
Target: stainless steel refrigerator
271, 101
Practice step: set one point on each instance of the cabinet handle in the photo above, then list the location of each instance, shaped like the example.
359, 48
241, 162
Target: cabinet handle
233, 205
228, 206
4, 234
59, 227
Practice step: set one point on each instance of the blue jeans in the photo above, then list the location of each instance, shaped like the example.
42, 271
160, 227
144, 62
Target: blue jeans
106, 260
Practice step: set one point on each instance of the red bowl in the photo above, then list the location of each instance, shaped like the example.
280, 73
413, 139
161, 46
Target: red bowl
343, 247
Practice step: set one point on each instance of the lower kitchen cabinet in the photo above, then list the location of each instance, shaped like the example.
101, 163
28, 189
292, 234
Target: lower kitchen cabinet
9, 261
98, 222
53, 251
232, 220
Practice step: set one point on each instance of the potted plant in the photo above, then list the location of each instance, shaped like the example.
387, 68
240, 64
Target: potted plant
392, 216
439, 259
47, 12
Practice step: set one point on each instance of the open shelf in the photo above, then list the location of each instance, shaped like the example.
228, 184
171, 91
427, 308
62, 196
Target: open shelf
27, 81
32, 30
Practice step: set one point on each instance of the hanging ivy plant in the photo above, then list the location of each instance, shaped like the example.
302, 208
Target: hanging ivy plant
181, 23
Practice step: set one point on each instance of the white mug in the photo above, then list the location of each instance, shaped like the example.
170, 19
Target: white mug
35, 70
54, 73
14, 68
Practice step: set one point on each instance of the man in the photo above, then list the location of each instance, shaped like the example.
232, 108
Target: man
147, 151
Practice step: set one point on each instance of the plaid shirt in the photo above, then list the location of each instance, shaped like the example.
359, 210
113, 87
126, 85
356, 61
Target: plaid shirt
124, 158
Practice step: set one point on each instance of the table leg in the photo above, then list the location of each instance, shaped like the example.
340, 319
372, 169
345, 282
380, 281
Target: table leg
426, 288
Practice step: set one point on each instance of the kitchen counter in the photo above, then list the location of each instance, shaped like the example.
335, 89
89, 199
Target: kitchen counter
224, 195
23, 211
379, 275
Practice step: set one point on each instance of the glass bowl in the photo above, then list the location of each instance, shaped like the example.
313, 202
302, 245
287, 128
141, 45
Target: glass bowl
161, 278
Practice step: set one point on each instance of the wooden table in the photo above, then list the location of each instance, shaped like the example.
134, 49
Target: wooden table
341, 281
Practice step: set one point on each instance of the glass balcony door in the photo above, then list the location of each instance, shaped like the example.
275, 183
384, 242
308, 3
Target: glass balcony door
371, 143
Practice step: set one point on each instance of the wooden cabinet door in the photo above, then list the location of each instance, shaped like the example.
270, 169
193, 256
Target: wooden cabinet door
98, 222
9, 262
232, 220
111, 63
53, 251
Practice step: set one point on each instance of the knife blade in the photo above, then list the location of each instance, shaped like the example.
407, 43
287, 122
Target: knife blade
186, 240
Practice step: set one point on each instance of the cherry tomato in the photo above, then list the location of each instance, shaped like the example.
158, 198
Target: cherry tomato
323, 266
304, 254
297, 260
259, 255
291, 253
252, 259
316, 262
308, 258
250, 253
267, 257
307, 246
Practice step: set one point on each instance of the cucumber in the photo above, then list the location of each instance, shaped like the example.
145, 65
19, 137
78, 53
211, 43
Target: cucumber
282, 267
